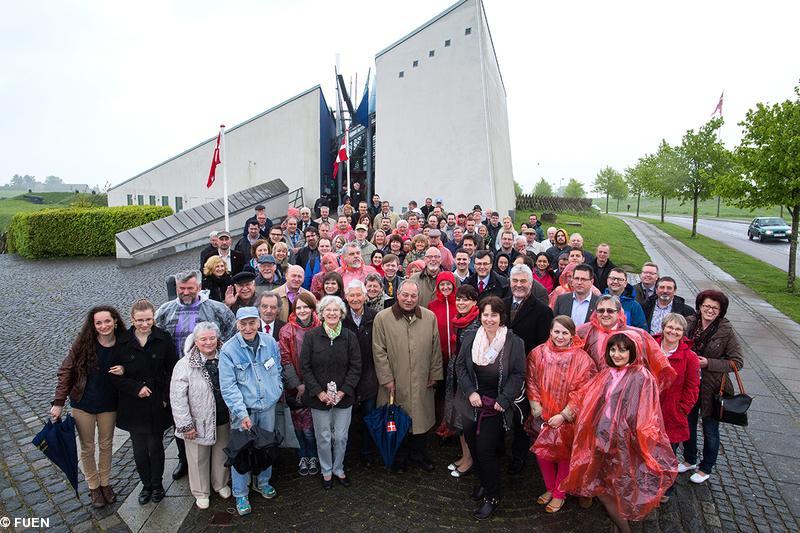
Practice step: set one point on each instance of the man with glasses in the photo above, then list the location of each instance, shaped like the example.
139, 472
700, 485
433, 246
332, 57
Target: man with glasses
618, 286
385, 213
579, 303
234, 259
486, 280
647, 286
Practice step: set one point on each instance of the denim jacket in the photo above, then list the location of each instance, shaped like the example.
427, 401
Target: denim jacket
246, 383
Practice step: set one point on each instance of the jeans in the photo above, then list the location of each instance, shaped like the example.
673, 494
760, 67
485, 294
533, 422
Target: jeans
307, 441
710, 440
148, 453
330, 427
241, 482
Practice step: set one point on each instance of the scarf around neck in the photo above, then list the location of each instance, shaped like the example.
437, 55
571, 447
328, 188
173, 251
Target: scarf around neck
332, 332
483, 352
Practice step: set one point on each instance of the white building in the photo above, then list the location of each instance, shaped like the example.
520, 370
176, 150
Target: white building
440, 116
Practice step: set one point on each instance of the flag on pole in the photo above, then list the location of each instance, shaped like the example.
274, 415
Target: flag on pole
215, 160
341, 157
719, 105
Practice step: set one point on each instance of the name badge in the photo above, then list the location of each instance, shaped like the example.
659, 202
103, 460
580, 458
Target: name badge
269, 364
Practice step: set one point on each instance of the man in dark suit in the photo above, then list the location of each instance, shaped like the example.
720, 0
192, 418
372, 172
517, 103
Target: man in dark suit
663, 302
305, 221
647, 286
485, 280
264, 223
234, 259
579, 303
268, 306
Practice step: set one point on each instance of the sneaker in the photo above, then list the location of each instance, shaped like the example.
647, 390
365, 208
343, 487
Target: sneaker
202, 503
267, 491
243, 505
699, 477
224, 492
683, 467
313, 466
302, 468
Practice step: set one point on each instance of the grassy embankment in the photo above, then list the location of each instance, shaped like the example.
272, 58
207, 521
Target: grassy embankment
626, 250
11, 206
766, 280
707, 209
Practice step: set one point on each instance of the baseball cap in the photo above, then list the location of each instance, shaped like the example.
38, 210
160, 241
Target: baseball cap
246, 312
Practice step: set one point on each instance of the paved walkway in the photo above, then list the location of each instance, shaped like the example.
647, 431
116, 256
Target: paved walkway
757, 484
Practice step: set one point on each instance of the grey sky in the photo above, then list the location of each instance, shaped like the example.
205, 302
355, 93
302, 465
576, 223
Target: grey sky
97, 91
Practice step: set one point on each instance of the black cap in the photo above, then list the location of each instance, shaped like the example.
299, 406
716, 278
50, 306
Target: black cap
243, 277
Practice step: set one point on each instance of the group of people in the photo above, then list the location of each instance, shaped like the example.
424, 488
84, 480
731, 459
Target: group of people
474, 329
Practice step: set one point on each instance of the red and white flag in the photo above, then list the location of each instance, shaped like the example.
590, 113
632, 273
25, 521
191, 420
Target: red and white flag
215, 160
719, 105
341, 157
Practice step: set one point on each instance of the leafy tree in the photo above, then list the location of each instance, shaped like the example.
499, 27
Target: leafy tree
543, 188
23, 182
517, 189
53, 180
767, 170
706, 159
574, 189
606, 181
639, 176
619, 189
669, 169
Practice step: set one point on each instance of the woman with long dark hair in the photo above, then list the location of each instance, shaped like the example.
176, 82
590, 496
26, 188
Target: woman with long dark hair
83, 377
332, 285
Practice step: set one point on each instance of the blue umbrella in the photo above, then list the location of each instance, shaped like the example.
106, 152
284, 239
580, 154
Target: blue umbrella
57, 441
388, 426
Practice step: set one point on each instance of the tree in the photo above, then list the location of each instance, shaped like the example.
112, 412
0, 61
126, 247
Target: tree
517, 189
53, 180
639, 176
619, 189
574, 189
669, 168
605, 181
767, 166
543, 188
706, 159
23, 182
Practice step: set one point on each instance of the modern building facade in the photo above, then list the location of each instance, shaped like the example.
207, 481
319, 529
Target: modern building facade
439, 128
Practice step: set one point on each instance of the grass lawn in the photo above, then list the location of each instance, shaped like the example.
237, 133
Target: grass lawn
706, 209
11, 206
626, 250
766, 280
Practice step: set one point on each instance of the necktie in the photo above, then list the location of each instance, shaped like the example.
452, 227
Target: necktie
515, 306
390, 290
266, 328
481, 286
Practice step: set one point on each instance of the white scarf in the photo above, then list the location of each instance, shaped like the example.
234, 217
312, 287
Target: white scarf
484, 353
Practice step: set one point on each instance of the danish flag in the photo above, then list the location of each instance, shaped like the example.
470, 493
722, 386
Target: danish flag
391, 426
341, 157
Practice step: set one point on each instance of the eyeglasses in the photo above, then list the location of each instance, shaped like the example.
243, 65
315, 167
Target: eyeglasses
706, 307
616, 279
603, 311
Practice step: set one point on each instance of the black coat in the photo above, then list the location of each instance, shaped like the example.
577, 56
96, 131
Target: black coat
264, 232
497, 286
151, 366
678, 306
368, 384
237, 260
531, 322
323, 360
216, 286
600, 273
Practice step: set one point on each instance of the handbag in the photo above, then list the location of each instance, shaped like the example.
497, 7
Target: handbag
732, 408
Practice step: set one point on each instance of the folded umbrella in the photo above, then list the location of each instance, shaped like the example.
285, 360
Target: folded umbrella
388, 426
253, 450
57, 441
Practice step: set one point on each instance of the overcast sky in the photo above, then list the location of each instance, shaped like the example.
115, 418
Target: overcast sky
96, 91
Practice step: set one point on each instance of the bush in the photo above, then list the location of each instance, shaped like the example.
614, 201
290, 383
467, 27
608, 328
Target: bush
76, 231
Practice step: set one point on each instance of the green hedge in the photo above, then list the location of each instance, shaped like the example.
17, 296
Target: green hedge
76, 231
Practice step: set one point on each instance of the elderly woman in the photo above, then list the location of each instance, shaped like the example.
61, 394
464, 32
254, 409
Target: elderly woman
718, 349
330, 262
84, 378
200, 414
216, 278
303, 319
143, 390
491, 375
377, 300
678, 401
417, 253
330, 361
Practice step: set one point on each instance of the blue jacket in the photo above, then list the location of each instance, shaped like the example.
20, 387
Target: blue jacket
634, 314
244, 380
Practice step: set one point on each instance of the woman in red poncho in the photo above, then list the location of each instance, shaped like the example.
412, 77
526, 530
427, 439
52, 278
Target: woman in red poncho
443, 306
557, 370
621, 452
607, 319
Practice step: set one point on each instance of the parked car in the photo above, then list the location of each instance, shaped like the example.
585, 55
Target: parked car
766, 228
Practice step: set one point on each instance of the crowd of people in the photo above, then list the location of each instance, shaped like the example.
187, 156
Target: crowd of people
475, 327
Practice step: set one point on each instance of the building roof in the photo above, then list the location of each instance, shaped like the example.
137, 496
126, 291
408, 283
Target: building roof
227, 130
430, 22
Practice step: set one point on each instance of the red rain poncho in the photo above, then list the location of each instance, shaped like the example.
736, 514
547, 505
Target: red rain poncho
594, 337
621, 449
564, 286
445, 311
554, 380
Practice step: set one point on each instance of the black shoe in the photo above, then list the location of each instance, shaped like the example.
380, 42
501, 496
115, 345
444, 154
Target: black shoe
477, 494
486, 509
144, 496
343, 481
516, 466
423, 463
158, 495
180, 471
327, 484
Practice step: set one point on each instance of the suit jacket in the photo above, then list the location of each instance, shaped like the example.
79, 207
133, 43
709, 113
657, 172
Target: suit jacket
497, 286
678, 306
264, 232
237, 260
564, 305
276, 328
641, 294
303, 228
531, 322
286, 306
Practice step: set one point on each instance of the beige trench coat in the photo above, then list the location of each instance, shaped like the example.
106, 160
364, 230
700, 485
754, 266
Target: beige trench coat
408, 352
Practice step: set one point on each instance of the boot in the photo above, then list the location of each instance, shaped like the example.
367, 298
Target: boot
108, 494
487, 508
96, 495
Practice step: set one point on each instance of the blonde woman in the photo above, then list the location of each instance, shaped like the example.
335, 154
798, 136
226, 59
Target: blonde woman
216, 278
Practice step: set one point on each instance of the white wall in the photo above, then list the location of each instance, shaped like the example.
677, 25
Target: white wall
281, 143
433, 135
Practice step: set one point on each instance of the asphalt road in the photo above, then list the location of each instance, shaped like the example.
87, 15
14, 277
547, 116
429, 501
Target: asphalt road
734, 234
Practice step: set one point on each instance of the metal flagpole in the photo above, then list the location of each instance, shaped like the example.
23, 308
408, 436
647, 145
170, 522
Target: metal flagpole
223, 157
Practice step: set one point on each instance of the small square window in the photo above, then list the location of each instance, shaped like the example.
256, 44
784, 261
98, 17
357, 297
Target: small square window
165, 201
415, 63
140, 199
152, 199
447, 43
401, 74
178, 204
431, 53
468, 31
130, 199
